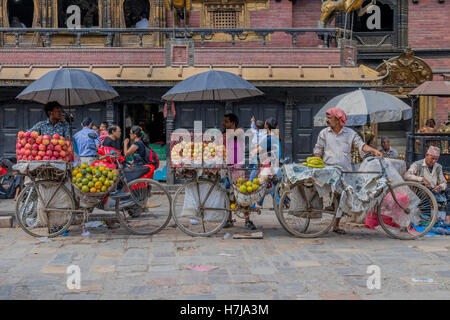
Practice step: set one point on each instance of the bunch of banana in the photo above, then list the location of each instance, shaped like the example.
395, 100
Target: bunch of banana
314, 162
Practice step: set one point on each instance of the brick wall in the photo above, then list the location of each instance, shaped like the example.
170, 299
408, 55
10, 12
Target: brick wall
267, 56
428, 24
82, 56
306, 14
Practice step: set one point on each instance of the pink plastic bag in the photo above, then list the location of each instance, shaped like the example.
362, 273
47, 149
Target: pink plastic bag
392, 211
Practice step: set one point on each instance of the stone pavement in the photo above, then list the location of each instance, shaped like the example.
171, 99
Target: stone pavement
115, 265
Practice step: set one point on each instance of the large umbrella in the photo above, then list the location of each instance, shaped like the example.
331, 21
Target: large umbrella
366, 106
69, 87
432, 88
212, 86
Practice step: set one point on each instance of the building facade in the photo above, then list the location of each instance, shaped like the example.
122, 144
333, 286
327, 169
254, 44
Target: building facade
278, 45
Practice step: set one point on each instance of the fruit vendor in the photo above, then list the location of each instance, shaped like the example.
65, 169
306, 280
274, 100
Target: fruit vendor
234, 151
55, 124
334, 145
429, 172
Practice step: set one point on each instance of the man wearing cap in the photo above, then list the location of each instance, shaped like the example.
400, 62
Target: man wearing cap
430, 173
334, 145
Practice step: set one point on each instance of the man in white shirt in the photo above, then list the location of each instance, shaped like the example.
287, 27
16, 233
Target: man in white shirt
143, 23
334, 146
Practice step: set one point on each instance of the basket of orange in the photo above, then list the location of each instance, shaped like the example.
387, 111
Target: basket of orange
93, 184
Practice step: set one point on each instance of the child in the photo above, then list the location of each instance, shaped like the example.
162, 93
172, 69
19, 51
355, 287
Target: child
103, 131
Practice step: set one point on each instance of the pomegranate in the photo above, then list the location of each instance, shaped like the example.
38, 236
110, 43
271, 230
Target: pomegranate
56, 136
27, 135
35, 134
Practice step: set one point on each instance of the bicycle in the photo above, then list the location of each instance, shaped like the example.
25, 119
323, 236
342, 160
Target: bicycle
410, 199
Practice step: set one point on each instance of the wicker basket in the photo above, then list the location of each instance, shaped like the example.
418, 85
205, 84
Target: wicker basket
44, 169
247, 199
91, 200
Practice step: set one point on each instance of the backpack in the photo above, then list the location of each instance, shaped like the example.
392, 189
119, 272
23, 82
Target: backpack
151, 157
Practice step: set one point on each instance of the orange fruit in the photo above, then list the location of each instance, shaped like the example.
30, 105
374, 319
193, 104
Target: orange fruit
93, 190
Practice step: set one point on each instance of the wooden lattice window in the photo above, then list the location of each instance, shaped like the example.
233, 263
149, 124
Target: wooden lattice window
224, 19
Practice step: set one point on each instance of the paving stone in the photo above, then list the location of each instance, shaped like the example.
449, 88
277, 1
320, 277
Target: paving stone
131, 268
6, 222
110, 268
54, 269
141, 290
161, 282
5, 291
202, 297
339, 295
63, 259
196, 289
445, 274
307, 263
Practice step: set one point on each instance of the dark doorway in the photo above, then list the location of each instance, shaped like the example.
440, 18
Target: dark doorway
132, 10
89, 12
21, 12
387, 19
150, 118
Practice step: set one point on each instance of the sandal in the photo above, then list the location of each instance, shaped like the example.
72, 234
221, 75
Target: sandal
339, 231
250, 225
228, 224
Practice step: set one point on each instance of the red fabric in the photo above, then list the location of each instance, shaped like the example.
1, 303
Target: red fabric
339, 114
103, 135
372, 220
391, 207
172, 108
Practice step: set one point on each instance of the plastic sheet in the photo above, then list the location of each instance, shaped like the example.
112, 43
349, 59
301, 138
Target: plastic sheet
215, 200
61, 200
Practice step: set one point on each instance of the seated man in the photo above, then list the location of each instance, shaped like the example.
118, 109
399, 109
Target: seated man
386, 148
430, 173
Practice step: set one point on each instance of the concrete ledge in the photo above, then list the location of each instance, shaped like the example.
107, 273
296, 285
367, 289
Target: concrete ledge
6, 222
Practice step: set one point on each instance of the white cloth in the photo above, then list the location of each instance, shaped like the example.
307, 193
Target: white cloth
335, 149
435, 177
142, 24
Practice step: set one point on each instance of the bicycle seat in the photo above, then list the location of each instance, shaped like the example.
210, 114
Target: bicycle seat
134, 173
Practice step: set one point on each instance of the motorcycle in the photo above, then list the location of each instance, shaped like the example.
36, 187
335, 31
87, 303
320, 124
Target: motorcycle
8, 182
108, 158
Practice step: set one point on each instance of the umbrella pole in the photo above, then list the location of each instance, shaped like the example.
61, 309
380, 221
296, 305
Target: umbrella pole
70, 113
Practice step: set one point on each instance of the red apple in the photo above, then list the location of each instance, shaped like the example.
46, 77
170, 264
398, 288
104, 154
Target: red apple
61, 143
47, 137
64, 148
27, 152
20, 134
57, 148
46, 158
39, 140
34, 153
35, 146
46, 141
62, 153
53, 158
55, 153
35, 134
51, 147
23, 142
38, 158
56, 136
42, 147
49, 153
19, 157
41, 153
27, 134
54, 142
28, 146
18, 146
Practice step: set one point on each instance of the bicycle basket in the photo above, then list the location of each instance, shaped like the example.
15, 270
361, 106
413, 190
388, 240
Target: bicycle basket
240, 183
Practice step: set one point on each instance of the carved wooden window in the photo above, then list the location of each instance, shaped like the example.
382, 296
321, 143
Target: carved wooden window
20, 13
131, 11
224, 16
90, 15
224, 19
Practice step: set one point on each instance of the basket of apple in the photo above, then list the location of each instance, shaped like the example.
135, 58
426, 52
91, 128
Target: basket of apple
30, 146
196, 155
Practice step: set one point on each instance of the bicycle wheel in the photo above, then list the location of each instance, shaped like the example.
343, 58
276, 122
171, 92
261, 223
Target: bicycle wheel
192, 219
418, 200
50, 221
148, 208
304, 224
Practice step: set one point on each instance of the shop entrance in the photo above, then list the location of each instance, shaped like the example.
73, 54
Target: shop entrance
151, 119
